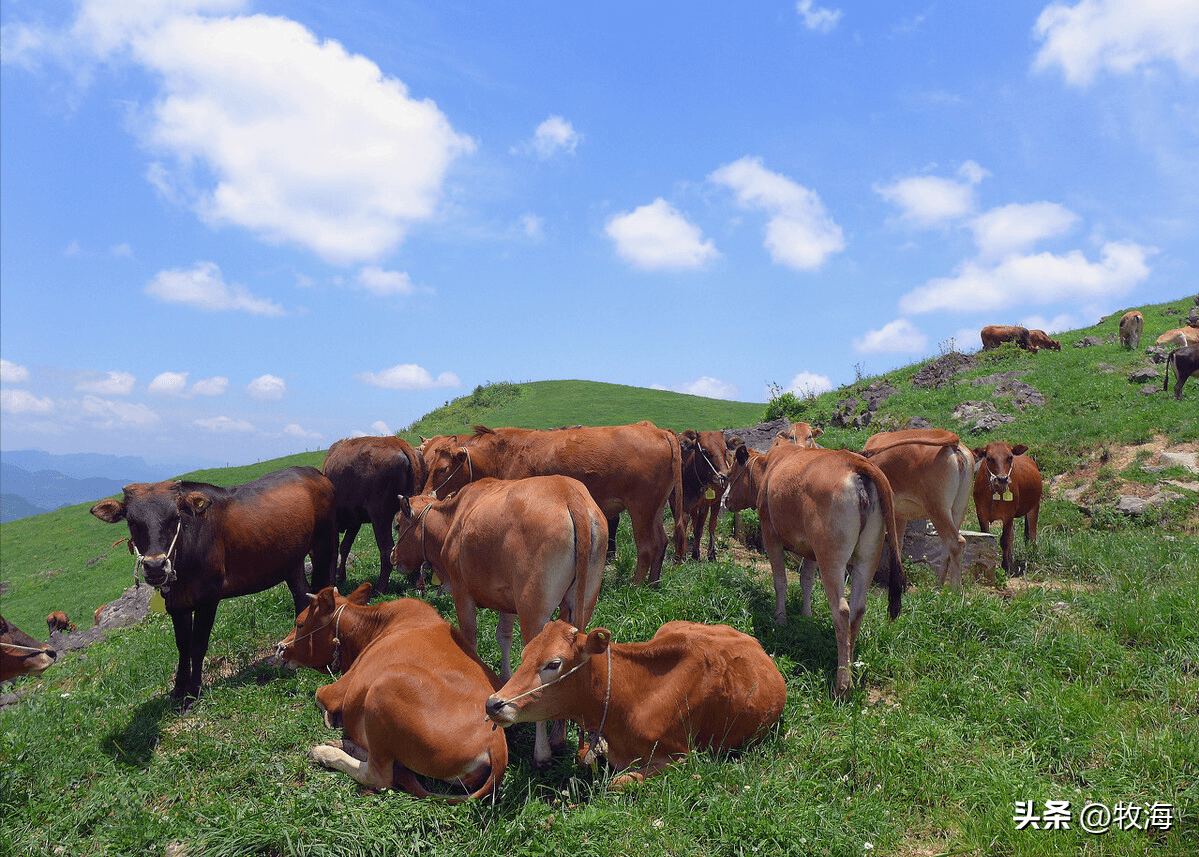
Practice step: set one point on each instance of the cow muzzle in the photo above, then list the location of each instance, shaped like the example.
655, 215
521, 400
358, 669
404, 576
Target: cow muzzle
500, 711
159, 571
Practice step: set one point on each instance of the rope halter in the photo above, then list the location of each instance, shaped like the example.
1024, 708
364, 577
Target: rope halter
470, 472
139, 561
334, 664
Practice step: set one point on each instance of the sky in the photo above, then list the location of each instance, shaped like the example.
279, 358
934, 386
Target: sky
235, 230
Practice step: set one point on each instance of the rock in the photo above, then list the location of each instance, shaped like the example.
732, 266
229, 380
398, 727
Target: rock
967, 411
1088, 342
1147, 374
991, 422
942, 370
1193, 317
1150, 390
877, 393
919, 423
981, 557
1158, 353
759, 437
1189, 460
1131, 506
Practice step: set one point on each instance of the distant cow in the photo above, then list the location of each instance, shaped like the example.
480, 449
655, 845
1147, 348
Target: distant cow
1180, 336
1132, 323
58, 621
831, 506
1186, 363
1039, 339
931, 474
370, 474
198, 543
645, 705
524, 547
410, 698
800, 433
20, 654
994, 334
1007, 486
705, 474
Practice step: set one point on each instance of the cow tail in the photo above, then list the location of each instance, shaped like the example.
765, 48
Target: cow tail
498, 759
891, 562
1166, 382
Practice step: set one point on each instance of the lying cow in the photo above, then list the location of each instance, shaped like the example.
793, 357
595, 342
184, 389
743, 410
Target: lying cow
198, 543
524, 547
993, 335
1007, 486
409, 698
370, 474
931, 474
1132, 323
705, 474
644, 705
832, 507
1185, 362
1180, 336
1040, 340
20, 654
58, 621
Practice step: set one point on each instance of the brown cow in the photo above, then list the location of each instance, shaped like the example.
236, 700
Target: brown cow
1186, 363
1132, 323
828, 505
409, 697
198, 543
800, 433
370, 474
524, 547
1179, 336
58, 621
634, 468
994, 334
20, 654
644, 705
931, 474
1007, 486
1040, 340
705, 475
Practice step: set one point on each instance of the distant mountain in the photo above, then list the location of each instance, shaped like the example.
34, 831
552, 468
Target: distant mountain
13, 508
84, 465
47, 490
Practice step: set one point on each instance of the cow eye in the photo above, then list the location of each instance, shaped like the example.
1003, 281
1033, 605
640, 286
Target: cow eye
553, 665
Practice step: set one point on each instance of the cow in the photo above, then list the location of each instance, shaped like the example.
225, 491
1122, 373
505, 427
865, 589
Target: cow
994, 334
1185, 361
1040, 340
644, 705
1132, 323
1179, 336
21, 654
800, 433
705, 474
524, 547
198, 543
58, 621
831, 506
409, 698
1007, 486
634, 468
370, 474
931, 474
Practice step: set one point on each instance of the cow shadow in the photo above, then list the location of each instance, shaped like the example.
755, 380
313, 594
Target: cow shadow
133, 746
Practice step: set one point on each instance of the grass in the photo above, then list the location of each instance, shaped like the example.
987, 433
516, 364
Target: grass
1078, 682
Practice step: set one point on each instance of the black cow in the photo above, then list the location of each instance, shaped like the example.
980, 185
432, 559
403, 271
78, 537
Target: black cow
198, 543
20, 654
370, 474
1186, 363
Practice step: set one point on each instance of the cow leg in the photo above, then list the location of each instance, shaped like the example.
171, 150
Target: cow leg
368, 773
503, 638
713, 517
205, 616
613, 523
1005, 543
344, 552
807, 576
385, 542
182, 622
297, 582
330, 701
953, 543
778, 567
697, 531
1030, 524
650, 538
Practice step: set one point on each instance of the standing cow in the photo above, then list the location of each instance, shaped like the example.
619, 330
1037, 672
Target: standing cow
993, 335
1185, 362
705, 474
1132, 323
20, 654
370, 474
1007, 486
198, 543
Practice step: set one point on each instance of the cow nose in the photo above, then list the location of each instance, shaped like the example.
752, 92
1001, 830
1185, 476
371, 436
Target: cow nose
155, 566
494, 705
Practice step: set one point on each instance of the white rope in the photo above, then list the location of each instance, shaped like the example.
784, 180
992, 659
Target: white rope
336, 632
46, 650
139, 561
470, 472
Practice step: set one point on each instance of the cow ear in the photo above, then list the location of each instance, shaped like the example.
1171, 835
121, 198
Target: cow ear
817, 432
196, 502
405, 506
110, 511
597, 641
360, 596
979, 453
326, 599
1020, 449
742, 454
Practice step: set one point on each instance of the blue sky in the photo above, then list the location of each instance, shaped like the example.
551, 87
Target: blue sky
235, 230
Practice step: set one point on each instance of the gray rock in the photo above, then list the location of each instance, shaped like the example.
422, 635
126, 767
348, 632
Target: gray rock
1131, 506
1147, 374
942, 370
1088, 342
1150, 390
1189, 460
1158, 353
761, 436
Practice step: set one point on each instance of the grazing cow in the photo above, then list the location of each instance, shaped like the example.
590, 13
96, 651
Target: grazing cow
994, 334
831, 506
705, 474
198, 543
409, 697
1007, 486
1186, 363
1132, 323
644, 705
370, 474
20, 654
931, 474
1180, 336
58, 621
635, 468
1040, 340
524, 547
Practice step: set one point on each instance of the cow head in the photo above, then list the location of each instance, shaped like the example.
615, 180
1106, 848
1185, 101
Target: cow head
998, 458
158, 515
410, 553
21, 654
449, 468
705, 457
552, 677
742, 492
313, 642
804, 435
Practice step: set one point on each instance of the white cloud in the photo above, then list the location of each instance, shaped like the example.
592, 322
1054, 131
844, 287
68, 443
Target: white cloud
110, 383
24, 402
658, 237
380, 428
1016, 228
1120, 36
121, 251
203, 287
532, 226
928, 200
1041, 278
11, 373
224, 424
384, 283
800, 234
816, 17
214, 386
267, 388
710, 388
553, 136
809, 382
169, 383
299, 431
895, 337
112, 414
1061, 321
408, 376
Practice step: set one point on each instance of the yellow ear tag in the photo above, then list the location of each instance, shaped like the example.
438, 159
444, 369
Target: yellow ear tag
1007, 495
710, 494
995, 496
436, 581
157, 603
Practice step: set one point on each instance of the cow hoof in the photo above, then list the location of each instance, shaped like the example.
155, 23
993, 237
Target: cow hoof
325, 754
